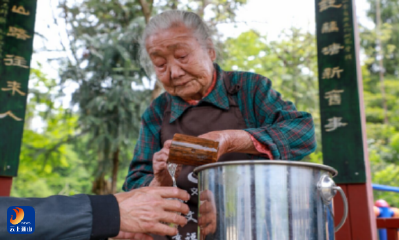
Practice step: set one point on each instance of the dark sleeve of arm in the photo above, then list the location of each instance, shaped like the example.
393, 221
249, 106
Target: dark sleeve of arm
63, 217
105, 216
288, 133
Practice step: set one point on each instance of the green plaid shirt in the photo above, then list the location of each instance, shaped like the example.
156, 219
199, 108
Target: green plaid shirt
276, 123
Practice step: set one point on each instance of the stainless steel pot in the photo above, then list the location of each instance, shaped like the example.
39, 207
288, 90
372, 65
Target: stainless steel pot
267, 200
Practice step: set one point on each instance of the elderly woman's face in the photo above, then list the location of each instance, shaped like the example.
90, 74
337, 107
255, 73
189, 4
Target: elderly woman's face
182, 65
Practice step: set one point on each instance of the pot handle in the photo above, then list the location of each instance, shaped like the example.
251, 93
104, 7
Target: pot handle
328, 190
345, 208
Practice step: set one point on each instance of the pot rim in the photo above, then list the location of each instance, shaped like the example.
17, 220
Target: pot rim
332, 170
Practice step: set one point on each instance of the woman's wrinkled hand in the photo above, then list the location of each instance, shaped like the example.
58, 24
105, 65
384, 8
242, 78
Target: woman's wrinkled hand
224, 139
232, 141
207, 213
160, 170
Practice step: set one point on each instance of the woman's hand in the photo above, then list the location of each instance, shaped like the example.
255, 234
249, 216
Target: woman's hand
232, 141
207, 213
161, 174
222, 137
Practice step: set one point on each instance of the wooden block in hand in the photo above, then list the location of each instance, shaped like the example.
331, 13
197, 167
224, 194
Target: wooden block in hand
192, 151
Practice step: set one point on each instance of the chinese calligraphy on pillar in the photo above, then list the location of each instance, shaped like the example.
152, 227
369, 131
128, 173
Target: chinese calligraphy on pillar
334, 97
342, 142
17, 19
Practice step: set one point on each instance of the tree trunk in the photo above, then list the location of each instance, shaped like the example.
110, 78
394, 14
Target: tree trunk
146, 10
100, 185
174, 4
204, 4
380, 59
115, 171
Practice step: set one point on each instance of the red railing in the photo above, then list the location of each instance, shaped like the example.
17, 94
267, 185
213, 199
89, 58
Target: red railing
391, 225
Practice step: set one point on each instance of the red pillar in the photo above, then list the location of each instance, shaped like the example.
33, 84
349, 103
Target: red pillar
5, 186
361, 220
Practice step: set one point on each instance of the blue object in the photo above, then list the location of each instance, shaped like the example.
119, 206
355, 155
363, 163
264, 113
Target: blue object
20, 219
386, 212
385, 188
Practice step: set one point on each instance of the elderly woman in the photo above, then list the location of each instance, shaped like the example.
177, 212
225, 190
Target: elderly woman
240, 110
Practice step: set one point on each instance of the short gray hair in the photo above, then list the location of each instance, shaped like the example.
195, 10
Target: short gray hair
170, 19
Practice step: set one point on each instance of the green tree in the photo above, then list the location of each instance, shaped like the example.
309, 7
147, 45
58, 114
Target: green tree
381, 45
103, 44
381, 91
383, 139
389, 37
48, 164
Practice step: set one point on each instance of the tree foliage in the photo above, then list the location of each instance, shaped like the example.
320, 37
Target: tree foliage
383, 138
48, 164
103, 43
389, 37
290, 63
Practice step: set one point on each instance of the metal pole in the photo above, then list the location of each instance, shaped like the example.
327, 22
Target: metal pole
385, 188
